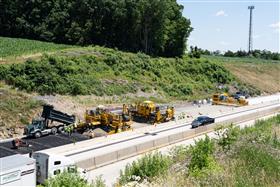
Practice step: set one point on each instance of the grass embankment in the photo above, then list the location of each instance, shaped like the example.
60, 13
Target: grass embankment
102, 71
246, 157
16, 108
14, 50
262, 74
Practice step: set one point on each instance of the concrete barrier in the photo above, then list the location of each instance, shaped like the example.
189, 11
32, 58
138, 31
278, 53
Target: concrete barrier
161, 142
256, 114
105, 159
187, 134
127, 152
175, 137
143, 147
88, 163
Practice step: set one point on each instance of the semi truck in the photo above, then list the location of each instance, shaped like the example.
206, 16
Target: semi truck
49, 165
17, 170
51, 162
45, 124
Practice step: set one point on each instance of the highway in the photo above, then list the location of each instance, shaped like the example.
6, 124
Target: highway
189, 110
110, 173
103, 142
140, 129
127, 146
92, 154
150, 134
102, 152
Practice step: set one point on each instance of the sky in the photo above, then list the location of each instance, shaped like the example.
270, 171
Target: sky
224, 24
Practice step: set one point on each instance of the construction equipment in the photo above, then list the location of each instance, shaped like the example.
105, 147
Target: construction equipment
110, 122
17, 143
45, 125
147, 111
93, 117
226, 99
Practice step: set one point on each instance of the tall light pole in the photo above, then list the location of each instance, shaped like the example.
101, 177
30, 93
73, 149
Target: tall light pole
250, 46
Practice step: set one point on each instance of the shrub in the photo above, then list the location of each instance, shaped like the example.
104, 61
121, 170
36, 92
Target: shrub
98, 182
226, 136
147, 167
201, 156
180, 153
67, 179
114, 73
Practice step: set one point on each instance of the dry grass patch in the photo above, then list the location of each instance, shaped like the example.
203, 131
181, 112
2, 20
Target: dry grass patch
16, 110
264, 76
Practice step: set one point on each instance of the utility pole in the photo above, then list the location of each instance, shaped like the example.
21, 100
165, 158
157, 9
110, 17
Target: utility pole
250, 46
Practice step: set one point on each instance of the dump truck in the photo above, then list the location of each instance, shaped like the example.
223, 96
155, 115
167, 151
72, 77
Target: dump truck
45, 124
226, 99
109, 121
149, 112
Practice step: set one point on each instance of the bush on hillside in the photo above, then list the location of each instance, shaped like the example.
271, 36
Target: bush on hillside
202, 158
147, 167
115, 73
67, 179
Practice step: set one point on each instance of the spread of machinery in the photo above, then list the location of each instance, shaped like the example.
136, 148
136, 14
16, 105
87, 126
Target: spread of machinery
55, 128
110, 122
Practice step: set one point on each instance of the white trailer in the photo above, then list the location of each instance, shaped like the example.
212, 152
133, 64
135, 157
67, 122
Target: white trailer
49, 165
17, 170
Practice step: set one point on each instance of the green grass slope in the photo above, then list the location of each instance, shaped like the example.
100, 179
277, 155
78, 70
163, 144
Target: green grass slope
102, 71
70, 70
16, 47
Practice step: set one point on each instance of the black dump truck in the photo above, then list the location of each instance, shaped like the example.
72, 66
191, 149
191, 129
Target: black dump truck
45, 126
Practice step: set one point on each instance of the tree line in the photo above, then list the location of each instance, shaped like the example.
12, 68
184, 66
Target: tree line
196, 52
155, 27
263, 54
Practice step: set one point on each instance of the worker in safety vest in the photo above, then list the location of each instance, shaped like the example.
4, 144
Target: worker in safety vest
69, 129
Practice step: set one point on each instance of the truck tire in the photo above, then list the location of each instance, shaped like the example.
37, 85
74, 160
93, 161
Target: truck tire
54, 130
60, 129
37, 134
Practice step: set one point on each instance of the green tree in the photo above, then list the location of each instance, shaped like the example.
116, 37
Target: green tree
195, 52
155, 27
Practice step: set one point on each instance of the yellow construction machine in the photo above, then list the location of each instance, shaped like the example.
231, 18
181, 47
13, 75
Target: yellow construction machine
148, 112
226, 99
93, 117
110, 122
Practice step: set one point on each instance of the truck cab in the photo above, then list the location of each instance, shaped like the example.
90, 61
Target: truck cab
37, 128
50, 165
44, 125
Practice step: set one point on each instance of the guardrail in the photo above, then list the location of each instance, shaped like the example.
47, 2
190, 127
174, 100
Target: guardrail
142, 147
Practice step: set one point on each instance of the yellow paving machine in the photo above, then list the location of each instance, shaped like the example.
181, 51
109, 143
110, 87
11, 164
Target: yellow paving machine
149, 112
108, 121
226, 99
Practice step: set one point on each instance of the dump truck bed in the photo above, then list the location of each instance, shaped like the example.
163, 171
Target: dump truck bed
55, 115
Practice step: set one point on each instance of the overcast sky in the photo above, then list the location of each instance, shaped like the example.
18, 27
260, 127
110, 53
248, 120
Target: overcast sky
224, 25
